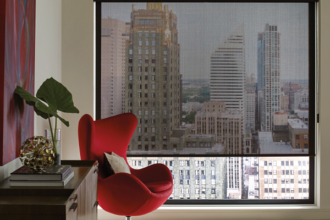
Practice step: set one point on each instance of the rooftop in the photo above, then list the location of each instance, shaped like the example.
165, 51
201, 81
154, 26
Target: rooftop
297, 124
268, 146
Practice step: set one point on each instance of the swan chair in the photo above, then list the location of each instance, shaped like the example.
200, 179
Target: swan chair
134, 194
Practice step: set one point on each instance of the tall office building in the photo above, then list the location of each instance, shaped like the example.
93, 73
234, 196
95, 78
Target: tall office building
269, 74
250, 106
228, 71
153, 81
114, 35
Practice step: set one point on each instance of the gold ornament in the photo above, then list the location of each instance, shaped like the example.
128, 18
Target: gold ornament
36, 153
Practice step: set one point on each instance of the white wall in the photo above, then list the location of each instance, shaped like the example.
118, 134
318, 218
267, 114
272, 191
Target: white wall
77, 67
48, 59
48, 50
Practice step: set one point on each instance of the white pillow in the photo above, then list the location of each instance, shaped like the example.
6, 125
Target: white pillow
117, 163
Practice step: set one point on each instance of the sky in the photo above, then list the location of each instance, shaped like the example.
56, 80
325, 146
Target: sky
202, 27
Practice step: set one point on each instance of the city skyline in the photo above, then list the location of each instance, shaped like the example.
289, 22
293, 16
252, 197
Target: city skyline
198, 22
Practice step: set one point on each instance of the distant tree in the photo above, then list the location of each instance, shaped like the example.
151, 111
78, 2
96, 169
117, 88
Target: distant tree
190, 118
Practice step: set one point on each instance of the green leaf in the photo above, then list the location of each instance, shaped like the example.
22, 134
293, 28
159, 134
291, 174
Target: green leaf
49, 111
31, 100
56, 96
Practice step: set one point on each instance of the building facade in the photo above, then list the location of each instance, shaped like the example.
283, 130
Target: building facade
269, 72
224, 124
284, 102
114, 34
301, 100
250, 107
153, 85
284, 177
298, 134
227, 76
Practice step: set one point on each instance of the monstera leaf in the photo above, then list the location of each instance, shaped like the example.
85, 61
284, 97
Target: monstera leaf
55, 95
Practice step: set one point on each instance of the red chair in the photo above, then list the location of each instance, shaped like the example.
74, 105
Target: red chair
134, 194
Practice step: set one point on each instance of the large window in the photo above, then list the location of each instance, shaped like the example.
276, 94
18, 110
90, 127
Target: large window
224, 94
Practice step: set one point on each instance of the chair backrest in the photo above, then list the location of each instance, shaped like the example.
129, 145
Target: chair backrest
106, 135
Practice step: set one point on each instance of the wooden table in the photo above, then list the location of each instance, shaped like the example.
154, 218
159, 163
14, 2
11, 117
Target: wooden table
76, 200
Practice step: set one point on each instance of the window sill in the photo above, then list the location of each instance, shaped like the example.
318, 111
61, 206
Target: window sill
239, 207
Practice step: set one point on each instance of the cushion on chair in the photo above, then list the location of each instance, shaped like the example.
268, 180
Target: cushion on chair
106, 168
116, 163
158, 186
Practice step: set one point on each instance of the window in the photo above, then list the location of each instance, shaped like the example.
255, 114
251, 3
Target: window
188, 123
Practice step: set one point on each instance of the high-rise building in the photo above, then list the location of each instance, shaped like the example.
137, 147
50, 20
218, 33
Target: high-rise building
228, 71
269, 72
227, 84
114, 35
250, 106
153, 85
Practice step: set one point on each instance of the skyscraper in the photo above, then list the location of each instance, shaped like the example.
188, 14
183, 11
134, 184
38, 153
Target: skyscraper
153, 82
114, 36
269, 74
228, 71
227, 84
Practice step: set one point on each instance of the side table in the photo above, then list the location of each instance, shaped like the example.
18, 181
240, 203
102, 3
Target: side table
76, 200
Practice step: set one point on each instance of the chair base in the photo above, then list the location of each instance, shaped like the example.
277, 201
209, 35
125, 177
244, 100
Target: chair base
128, 218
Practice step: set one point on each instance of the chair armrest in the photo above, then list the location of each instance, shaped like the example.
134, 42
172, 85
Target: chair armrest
153, 173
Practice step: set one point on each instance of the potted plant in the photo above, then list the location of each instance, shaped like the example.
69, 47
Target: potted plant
51, 97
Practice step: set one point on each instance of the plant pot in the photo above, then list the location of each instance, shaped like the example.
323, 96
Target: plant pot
48, 135
57, 159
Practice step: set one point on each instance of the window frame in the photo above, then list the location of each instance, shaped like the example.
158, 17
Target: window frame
313, 118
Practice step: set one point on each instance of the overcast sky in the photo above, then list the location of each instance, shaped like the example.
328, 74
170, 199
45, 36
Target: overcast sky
202, 27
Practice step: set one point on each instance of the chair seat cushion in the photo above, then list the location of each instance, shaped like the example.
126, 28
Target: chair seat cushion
159, 186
